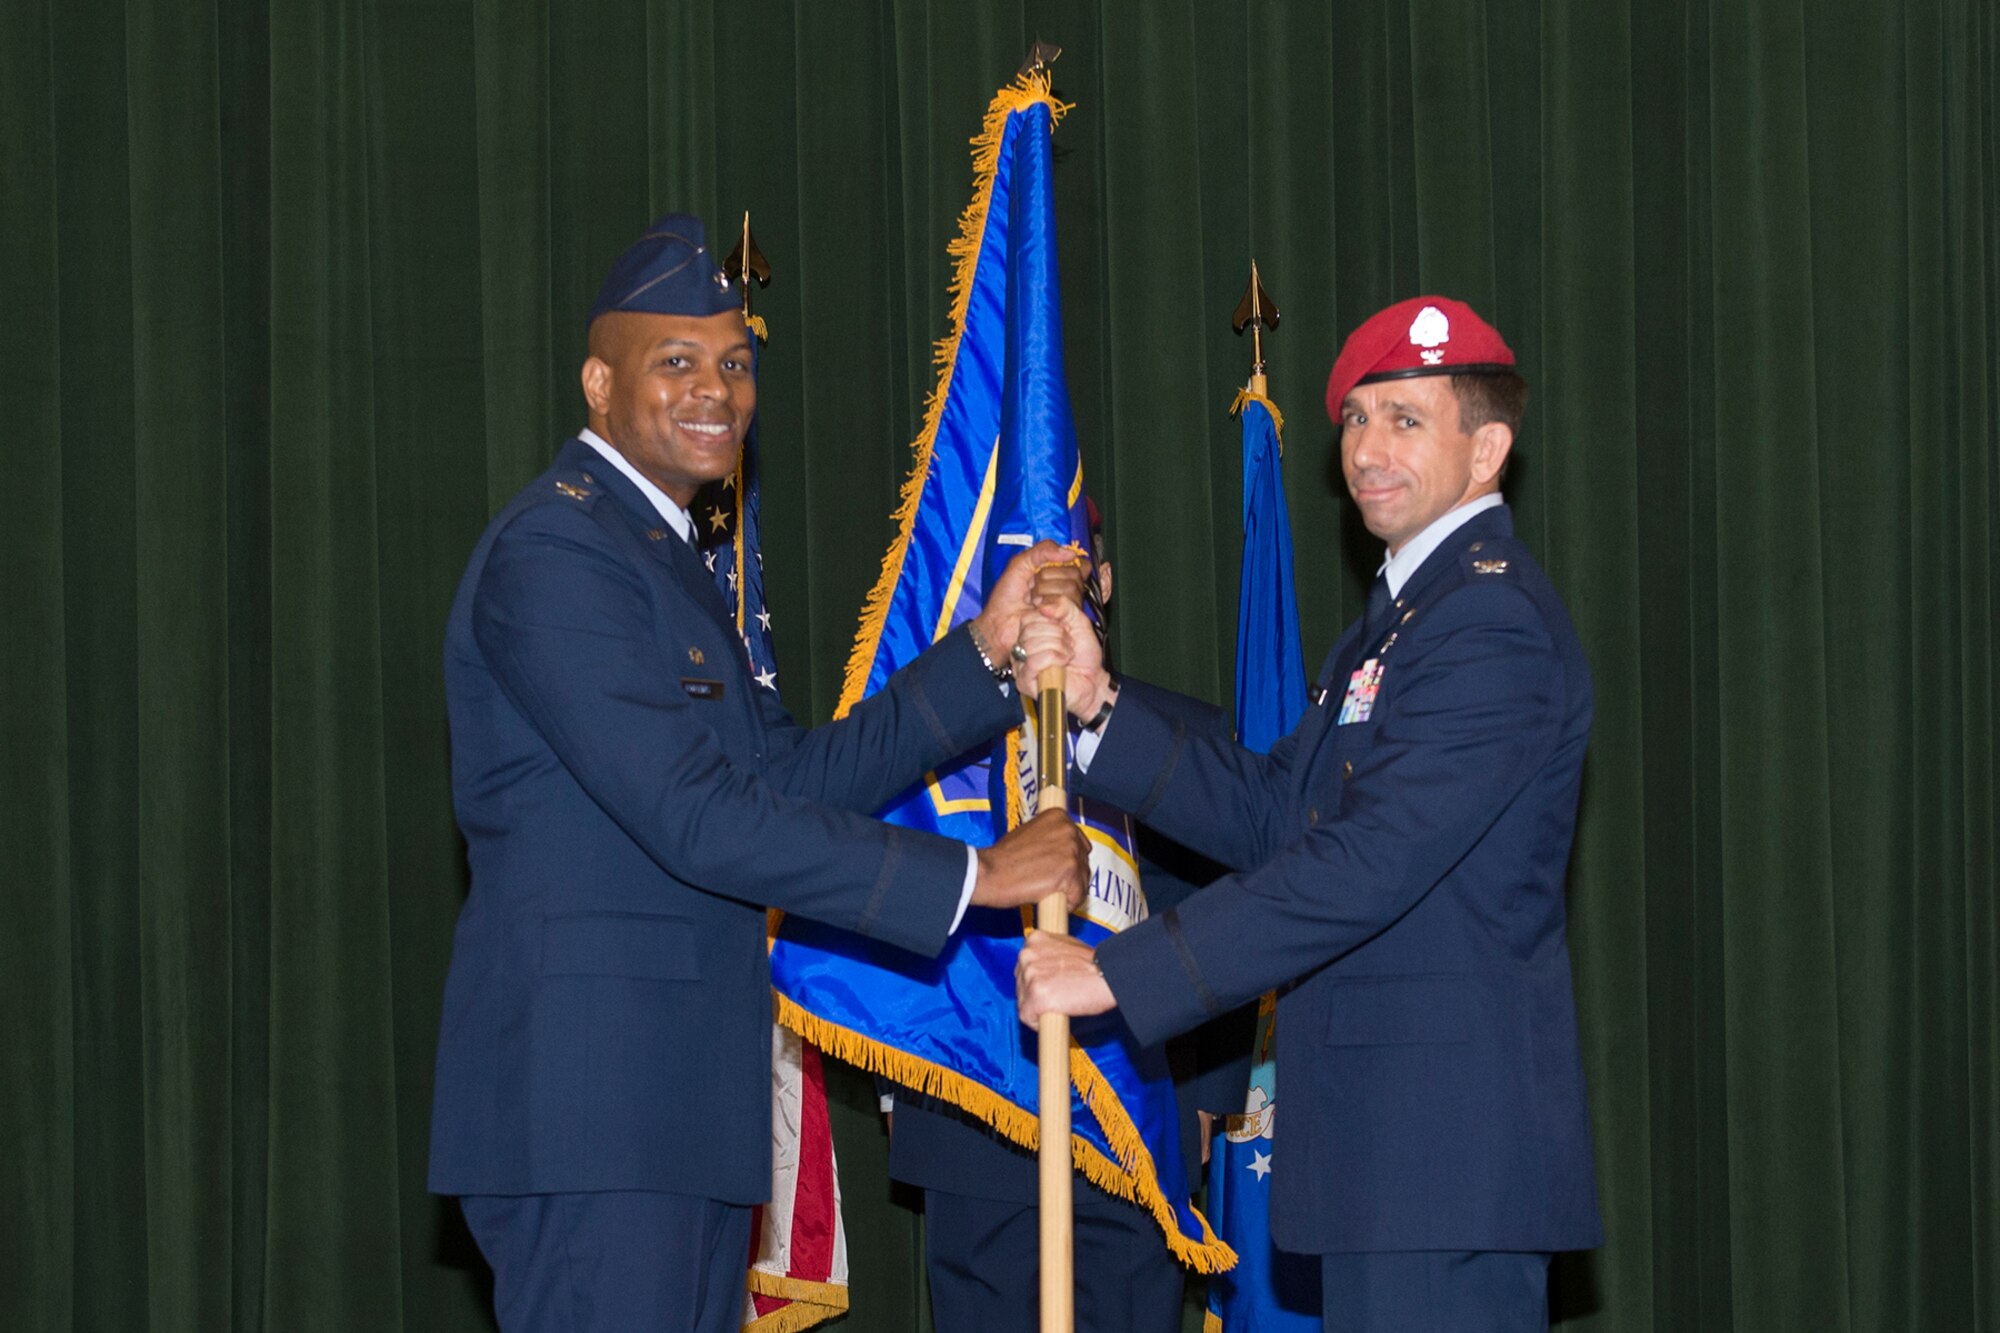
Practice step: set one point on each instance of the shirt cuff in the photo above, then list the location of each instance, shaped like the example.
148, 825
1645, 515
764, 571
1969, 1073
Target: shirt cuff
965, 894
1084, 749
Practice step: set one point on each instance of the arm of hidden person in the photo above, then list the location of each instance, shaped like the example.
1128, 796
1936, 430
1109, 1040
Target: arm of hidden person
569, 632
1174, 765
936, 708
1480, 713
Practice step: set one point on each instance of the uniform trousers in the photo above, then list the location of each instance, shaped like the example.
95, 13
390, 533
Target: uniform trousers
1435, 1291
983, 1257
624, 1261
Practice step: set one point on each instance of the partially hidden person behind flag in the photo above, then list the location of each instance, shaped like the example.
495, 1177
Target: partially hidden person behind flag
1400, 860
632, 802
981, 1213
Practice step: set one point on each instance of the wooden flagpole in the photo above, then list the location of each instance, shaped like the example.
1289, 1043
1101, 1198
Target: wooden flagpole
1052, 1032
1057, 1206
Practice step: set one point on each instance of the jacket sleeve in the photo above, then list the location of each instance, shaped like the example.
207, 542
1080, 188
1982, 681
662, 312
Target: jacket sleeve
569, 631
1193, 783
936, 708
1479, 713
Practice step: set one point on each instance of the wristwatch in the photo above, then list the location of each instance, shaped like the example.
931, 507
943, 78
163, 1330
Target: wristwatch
1103, 714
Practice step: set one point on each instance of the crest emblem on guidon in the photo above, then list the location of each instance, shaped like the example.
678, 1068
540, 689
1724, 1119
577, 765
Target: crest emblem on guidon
1430, 330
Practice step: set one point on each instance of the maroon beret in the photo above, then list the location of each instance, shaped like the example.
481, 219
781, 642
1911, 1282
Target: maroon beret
1425, 335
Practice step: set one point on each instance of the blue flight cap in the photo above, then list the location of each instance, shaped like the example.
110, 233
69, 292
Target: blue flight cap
668, 271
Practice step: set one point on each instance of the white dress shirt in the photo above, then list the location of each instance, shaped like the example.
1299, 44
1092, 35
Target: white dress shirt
1399, 565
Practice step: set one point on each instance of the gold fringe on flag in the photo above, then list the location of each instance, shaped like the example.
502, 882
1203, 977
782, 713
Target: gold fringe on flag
1210, 1255
812, 1303
1026, 91
1277, 418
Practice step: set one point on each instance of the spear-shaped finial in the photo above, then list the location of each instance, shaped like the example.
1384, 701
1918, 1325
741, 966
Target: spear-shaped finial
745, 262
1256, 312
1040, 56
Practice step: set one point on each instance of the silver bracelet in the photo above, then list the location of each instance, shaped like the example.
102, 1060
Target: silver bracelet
1001, 674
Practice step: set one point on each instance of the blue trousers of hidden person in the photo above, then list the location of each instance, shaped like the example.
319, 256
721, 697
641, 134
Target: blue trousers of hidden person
983, 1258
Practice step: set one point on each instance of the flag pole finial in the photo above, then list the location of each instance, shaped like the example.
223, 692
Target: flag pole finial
1040, 56
744, 263
1256, 312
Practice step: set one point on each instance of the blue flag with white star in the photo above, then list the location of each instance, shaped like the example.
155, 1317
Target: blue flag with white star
1269, 1291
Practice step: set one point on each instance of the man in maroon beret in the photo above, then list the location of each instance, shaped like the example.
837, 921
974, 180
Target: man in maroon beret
1399, 868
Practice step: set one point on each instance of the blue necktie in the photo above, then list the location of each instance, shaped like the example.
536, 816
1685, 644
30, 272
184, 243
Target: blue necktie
1380, 606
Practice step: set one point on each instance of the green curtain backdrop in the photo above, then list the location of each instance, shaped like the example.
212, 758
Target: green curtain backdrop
291, 299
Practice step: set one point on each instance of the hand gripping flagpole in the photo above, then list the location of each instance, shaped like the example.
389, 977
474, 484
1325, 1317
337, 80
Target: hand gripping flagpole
1052, 1032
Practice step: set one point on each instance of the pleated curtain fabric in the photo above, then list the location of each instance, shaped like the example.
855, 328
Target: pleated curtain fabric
292, 300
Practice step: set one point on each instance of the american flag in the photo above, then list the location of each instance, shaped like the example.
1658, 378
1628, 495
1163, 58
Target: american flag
727, 533
798, 1260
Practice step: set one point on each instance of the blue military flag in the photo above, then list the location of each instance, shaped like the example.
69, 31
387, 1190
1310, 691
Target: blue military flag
997, 468
1268, 1291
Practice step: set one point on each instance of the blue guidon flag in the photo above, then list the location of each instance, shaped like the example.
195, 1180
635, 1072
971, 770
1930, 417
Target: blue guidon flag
996, 469
1269, 1291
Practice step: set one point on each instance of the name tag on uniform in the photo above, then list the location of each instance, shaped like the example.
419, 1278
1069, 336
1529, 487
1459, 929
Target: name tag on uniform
701, 689
1362, 688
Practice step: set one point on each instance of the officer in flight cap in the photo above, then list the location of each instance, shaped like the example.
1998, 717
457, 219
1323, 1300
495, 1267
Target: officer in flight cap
632, 803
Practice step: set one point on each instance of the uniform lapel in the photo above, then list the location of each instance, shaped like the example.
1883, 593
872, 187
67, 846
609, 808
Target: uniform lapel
700, 580
1318, 730
667, 545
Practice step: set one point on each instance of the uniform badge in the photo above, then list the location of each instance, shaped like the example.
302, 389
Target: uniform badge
1429, 331
573, 492
1362, 688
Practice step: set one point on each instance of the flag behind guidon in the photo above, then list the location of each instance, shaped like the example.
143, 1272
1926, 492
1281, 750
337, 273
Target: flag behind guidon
996, 469
1268, 1291
798, 1260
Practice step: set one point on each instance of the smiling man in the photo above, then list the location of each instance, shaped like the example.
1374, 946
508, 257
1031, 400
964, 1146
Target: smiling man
632, 801
1400, 865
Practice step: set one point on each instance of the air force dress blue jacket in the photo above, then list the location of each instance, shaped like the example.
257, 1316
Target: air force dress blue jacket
1405, 868
632, 802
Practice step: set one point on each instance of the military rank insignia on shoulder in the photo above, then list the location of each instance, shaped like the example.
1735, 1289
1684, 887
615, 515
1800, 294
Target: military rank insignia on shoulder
1483, 565
574, 492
